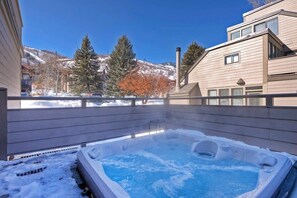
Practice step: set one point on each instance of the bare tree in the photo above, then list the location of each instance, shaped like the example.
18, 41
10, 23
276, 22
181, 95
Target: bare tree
48, 76
258, 3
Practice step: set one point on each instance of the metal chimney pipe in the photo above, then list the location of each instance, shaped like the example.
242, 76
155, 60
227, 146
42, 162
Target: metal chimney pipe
177, 84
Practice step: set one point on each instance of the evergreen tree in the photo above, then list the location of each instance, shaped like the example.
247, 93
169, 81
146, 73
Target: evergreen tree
85, 76
192, 54
120, 64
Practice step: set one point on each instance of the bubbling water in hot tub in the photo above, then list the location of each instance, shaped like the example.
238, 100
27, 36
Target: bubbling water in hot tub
176, 167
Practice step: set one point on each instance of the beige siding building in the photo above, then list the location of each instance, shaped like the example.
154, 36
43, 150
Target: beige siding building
258, 58
10, 46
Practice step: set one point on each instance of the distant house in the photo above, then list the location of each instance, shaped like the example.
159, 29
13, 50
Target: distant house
11, 49
258, 58
26, 85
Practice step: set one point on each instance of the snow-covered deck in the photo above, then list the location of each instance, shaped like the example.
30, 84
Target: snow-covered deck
47, 175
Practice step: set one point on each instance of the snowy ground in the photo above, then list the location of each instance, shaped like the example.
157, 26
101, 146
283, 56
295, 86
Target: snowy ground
25, 104
54, 179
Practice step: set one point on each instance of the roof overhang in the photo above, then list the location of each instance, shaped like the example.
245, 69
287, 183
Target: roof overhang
279, 12
184, 90
261, 8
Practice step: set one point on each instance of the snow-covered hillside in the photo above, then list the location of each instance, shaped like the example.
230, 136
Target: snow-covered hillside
166, 70
35, 57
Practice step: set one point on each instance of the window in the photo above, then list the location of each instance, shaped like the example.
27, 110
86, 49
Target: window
26, 77
254, 101
273, 51
212, 101
260, 27
273, 25
234, 58
246, 31
235, 35
254, 90
224, 92
237, 92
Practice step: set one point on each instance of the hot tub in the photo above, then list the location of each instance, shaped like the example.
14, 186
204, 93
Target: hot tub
181, 163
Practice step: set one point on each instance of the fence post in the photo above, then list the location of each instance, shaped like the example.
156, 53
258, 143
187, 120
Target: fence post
269, 101
83, 103
166, 100
3, 123
133, 102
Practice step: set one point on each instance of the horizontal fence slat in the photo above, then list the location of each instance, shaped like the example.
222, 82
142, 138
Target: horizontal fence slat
283, 113
283, 136
60, 113
264, 123
73, 131
68, 122
31, 146
256, 112
239, 130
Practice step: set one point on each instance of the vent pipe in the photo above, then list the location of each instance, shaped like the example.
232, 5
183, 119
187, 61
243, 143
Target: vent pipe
177, 84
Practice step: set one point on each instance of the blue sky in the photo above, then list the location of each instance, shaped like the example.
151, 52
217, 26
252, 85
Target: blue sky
155, 27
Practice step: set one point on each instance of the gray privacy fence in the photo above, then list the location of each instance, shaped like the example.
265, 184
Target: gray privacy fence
29, 130
274, 128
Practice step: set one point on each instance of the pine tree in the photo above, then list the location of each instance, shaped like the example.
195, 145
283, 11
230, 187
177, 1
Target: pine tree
192, 54
85, 77
120, 64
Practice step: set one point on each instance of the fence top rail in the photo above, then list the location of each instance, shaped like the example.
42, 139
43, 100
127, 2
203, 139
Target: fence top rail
288, 95
76, 98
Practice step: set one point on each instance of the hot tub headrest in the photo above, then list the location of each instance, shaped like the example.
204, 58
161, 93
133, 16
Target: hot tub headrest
266, 160
206, 148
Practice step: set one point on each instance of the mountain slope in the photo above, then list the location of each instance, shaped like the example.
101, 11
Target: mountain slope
33, 57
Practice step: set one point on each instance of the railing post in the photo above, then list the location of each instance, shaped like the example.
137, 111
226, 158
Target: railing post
3, 123
269, 101
203, 101
166, 100
133, 103
83, 103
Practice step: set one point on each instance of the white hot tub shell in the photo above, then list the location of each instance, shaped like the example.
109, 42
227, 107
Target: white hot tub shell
274, 167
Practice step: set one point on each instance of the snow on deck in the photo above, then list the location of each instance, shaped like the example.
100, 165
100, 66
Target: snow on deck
48, 175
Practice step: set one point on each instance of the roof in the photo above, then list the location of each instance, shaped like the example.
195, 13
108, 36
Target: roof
278, 12
261, 8
186, 89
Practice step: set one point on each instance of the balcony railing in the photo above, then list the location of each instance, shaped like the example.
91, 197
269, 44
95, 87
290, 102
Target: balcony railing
269, 99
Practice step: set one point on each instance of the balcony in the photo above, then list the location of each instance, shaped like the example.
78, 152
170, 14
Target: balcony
282, 65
